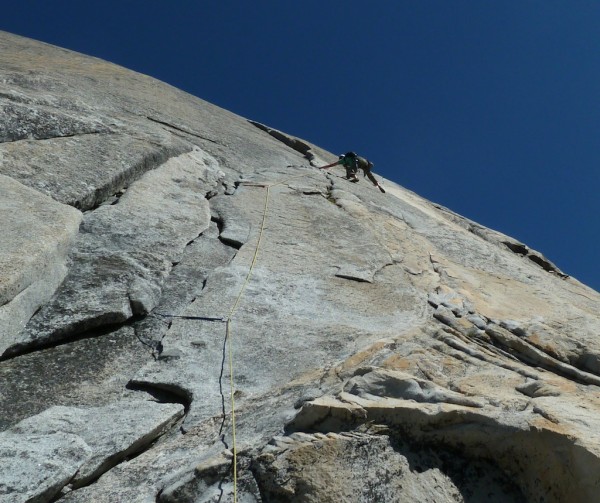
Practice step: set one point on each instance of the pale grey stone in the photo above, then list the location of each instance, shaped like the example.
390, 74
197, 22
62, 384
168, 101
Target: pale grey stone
34, 468
125, 251
29, 121
438, 360
37, 234
111, 432
393, 384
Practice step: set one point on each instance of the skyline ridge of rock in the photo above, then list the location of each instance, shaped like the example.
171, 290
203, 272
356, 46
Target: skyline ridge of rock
158, 250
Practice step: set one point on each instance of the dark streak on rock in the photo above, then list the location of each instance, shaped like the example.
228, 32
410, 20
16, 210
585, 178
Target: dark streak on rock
163, 393
116, 186
228, 242
34, 346
352, 278
56, 137
183, 130
535, 257
294, 143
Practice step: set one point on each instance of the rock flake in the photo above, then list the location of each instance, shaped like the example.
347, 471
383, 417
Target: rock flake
163, 260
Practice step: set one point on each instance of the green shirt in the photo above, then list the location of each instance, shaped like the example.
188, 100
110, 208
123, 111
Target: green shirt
351, 162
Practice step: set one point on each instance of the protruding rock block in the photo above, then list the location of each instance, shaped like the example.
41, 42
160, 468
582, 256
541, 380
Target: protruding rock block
36, 236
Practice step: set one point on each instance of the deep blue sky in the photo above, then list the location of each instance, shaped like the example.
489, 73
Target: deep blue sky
491, 108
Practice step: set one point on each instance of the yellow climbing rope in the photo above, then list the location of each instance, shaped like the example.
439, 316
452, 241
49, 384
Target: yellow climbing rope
228, 338
234, 309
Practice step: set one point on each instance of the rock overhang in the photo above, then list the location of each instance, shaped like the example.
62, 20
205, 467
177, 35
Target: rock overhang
375, 315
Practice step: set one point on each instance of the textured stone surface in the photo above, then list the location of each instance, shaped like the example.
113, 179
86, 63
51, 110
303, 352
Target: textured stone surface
37, 467
364, 467
126, 250
66, 445
37, 233
379, 347
112, 432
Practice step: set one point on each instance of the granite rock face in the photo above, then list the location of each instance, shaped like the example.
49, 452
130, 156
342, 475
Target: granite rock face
171, 273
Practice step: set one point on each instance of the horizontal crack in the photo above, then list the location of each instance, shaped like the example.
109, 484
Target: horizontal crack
164, 393
119, 181
200, 318
57, 137
183, 130
352, 278
29, 347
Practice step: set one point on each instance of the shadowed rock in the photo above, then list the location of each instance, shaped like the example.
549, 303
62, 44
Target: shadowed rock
369, 346
37, 233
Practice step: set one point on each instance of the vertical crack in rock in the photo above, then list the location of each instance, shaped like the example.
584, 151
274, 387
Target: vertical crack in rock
212, 481
160, 330
448, 368
222, 391
125, 252
195, 252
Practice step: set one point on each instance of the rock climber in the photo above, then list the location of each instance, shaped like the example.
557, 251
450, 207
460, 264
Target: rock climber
352, 162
